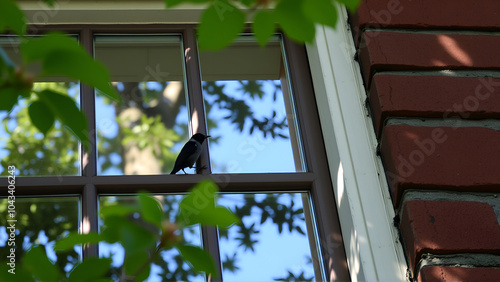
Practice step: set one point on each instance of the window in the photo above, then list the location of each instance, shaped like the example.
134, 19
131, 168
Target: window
266, 151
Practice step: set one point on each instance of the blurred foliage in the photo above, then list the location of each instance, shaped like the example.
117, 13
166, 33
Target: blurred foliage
223, 20
35, 155
143, 229
43, 220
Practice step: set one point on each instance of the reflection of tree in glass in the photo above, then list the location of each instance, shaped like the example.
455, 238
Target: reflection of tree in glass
27, 149
152, 125
41, 221
147, 128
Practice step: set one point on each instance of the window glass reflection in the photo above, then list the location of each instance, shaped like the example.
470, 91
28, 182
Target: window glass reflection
42, 221
22, 144
145, 133
169, 266
271, 242
250, 114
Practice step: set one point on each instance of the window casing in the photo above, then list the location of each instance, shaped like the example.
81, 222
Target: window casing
315, 180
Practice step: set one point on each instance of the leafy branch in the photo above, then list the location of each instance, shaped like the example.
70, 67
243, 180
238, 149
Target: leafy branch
223, 20
143, 239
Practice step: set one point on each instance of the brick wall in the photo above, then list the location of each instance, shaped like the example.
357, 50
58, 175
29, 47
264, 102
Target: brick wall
432, 76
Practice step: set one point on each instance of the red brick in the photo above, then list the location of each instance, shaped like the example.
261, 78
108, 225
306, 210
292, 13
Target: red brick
447, 227
426, 14
434, 97
444, 158
457, 274
384, 51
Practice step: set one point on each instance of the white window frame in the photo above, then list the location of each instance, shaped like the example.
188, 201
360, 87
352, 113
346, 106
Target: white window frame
364, 205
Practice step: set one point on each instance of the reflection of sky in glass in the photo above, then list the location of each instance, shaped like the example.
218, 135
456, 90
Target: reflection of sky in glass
192, 235
274, 253
238, 151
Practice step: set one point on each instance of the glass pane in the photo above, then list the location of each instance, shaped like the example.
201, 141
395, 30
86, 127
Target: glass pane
41, 221
170, 265
145, 133
26, 148
272, 240
250, 115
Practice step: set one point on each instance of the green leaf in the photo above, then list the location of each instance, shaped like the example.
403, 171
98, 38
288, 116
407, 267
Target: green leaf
199, 207
118, 210
294, 22
172, 3
263, 26
220, 24
8, 98
151, 210
49, 2
73, 239
248, 3
112, 228
61, 55
37, 263
37, 48
17, 272
90, 269
133, 263
200, 260
321, 11
350, 4
11, 16
65, 109
41, 116
135, 238
5, 60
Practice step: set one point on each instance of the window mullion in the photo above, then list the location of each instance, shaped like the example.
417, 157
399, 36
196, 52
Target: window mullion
210, 235
89, 221
194, 92
88, 158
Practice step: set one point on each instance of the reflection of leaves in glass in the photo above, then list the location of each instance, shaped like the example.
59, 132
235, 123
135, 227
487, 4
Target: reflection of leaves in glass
293, 277
255, 210
239, 111
43, 220
56, 154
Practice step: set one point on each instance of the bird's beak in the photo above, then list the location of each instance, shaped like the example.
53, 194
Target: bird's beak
208, 136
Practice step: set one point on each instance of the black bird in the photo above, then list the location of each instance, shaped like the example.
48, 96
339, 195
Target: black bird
189, 153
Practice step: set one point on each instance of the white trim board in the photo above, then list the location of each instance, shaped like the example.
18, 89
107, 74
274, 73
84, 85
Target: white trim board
363, 201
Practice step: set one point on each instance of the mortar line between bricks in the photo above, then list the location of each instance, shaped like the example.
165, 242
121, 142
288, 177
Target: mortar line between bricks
465, 260
493, 199
431, 31
493, 124
442, 72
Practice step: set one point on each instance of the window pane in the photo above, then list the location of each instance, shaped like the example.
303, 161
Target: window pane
250, 115
272, 240
22, 145
42, 221
144, 134
170, 266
